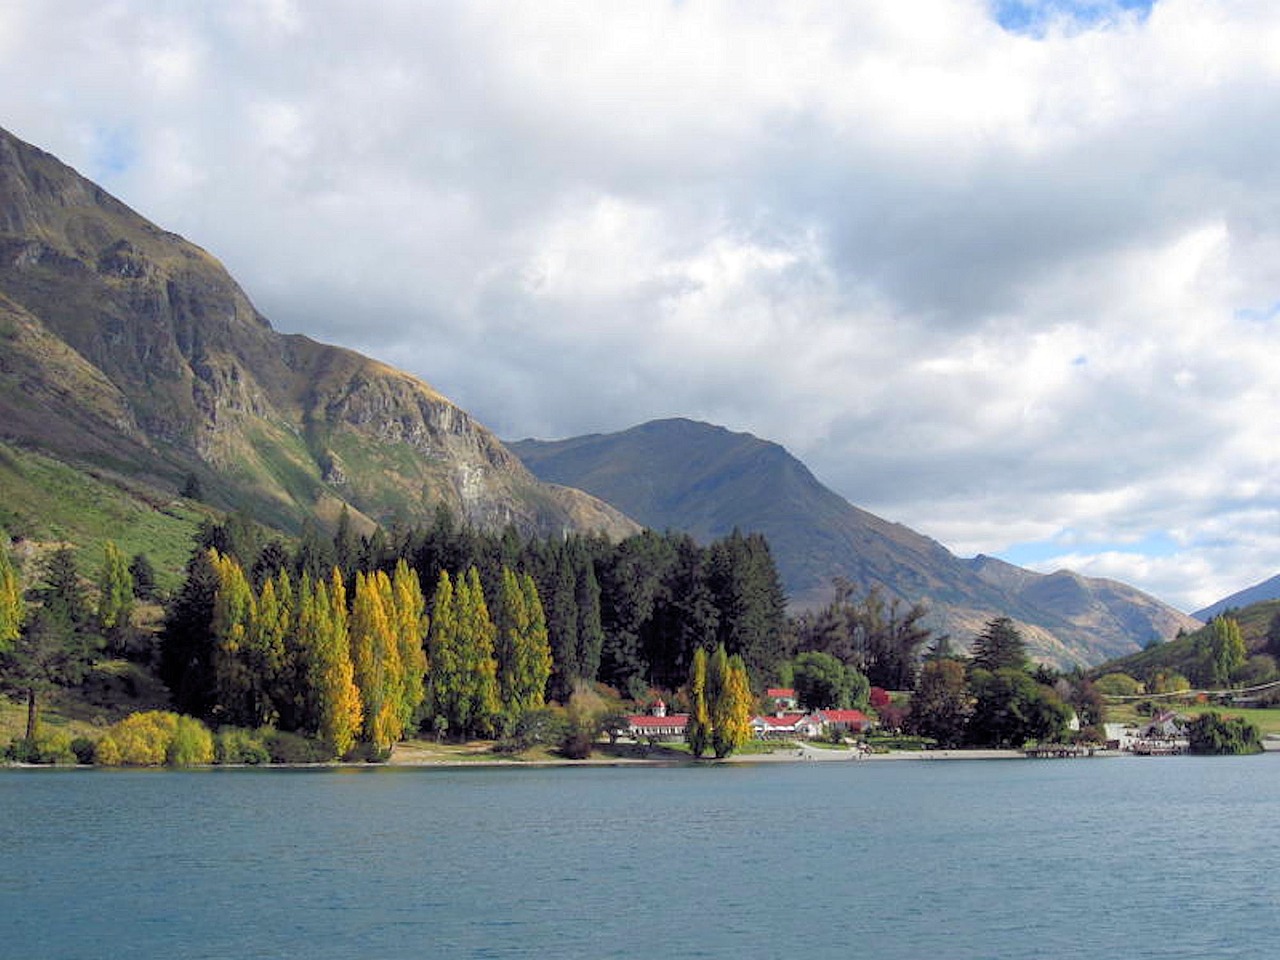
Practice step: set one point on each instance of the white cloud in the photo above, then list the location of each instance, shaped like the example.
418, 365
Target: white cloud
1000, 286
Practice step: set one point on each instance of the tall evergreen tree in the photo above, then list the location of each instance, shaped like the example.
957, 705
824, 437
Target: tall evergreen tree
1000, 646
562, 626
590, 640
144, 577
186, 661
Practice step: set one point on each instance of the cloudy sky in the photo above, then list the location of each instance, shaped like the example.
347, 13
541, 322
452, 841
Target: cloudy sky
1006, 272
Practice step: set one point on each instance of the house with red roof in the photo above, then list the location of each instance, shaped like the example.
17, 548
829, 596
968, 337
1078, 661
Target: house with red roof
656, 725
783, 697
850, 721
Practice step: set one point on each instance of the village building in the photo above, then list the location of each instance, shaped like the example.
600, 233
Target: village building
784, 698
656, 724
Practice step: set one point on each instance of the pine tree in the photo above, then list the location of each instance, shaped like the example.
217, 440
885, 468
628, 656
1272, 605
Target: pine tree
144, 577
999, 646
698, 730
11, 609
590, 633
186, 652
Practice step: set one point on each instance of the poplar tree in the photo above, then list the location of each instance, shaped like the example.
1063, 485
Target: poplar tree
731, 712
233, 608
115, 592
479, 668
522, 650
11, 609
335, 713
444, 679
375, 655
698, 731
536, 663
410, 630
271, 623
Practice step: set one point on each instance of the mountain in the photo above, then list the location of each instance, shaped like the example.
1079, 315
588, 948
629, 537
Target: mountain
703, 479
127, 350
1258, 593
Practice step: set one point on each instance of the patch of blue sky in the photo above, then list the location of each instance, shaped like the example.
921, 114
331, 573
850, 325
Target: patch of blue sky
1259, 315
115, 150
1030, 17
1036, 553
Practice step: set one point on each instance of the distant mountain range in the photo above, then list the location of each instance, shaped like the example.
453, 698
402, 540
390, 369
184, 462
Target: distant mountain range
703, 479
128, 350
1258, 593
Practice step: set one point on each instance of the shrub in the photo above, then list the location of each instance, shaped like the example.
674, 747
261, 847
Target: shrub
238, 745
542, 726
286, 747
1216, 735
191, 744
84, 749
154, 738
48, 748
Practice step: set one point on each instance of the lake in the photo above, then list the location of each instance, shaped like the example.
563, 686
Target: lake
1123, 858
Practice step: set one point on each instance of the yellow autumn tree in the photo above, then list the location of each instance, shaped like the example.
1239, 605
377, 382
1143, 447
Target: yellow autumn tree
333, 709
10, 598
375, 654
410, 628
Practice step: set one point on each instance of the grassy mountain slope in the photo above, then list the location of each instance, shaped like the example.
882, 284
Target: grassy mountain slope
125, 348
1180, 654
707, 480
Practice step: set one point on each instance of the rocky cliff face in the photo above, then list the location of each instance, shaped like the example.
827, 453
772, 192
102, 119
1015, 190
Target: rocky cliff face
125, 345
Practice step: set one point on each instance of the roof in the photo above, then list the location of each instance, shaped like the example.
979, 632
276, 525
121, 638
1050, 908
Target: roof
780, 692
786, 720
645, 721
845, 716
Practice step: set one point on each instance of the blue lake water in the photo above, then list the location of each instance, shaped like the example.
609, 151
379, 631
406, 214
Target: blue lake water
1123, 858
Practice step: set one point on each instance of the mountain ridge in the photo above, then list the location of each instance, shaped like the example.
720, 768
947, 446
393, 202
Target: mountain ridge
125, 345
1268, 589
705, 480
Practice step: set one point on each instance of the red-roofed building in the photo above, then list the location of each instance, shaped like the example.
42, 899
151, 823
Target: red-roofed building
649, 727
854, 721
783, 697
786, 726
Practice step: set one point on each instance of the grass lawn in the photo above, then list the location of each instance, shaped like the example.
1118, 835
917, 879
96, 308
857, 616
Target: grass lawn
1266, 719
